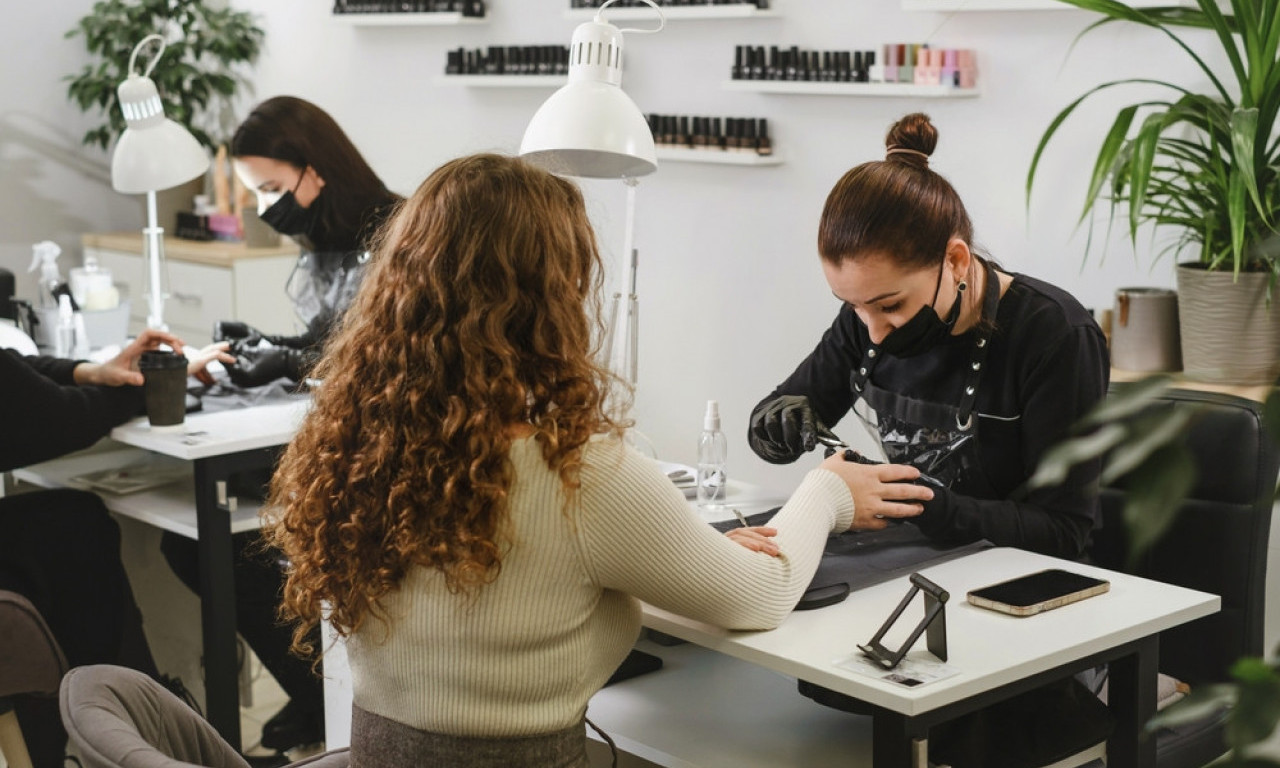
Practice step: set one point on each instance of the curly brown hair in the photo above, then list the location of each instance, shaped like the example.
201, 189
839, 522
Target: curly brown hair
479, 316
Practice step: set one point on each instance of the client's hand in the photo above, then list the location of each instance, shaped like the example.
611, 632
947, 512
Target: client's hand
255, 366
757, 538
235, 330
881, 492
123, 368
197, 364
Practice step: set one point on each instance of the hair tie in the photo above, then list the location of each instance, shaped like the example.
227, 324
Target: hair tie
895, 150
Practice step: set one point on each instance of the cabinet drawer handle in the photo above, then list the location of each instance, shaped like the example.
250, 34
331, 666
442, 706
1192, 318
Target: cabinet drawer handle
188, 298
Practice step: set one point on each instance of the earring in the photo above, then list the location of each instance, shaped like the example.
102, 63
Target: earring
962, 286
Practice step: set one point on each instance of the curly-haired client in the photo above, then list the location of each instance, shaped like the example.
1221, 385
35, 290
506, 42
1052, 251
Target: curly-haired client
459, 503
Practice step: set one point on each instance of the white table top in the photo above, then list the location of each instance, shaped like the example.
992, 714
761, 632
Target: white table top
168, 506
989, 649
215, 434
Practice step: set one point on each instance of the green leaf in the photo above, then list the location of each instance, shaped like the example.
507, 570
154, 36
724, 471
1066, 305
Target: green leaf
1154, 493
1147, 434
1058, 461
1258, 707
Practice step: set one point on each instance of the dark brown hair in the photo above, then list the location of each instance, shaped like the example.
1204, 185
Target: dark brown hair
480, 311
295, 131
896, 207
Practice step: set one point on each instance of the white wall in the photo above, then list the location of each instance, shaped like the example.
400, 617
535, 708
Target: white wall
731, 294
51, 186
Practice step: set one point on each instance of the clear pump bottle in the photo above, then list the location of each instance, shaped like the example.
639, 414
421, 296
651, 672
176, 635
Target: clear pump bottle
713, 450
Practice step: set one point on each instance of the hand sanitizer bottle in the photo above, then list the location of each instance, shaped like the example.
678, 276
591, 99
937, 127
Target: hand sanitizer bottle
64, 339
713, 450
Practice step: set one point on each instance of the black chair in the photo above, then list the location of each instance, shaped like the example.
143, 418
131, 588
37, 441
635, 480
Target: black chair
1217, 543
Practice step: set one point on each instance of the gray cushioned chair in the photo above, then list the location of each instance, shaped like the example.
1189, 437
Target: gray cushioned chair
30, 663
119, 718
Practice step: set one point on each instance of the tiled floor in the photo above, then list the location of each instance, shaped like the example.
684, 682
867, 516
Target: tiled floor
267, 700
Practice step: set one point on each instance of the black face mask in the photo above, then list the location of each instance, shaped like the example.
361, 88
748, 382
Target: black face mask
288, 218
925, 330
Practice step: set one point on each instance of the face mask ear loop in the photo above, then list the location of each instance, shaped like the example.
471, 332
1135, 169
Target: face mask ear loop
301, 176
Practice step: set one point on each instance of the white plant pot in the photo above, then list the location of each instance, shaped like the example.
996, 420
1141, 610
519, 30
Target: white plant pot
1230, 333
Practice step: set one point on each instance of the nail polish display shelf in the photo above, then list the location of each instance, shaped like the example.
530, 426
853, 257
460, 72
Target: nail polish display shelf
714, 156
675, 13
1023, 5
852, 89
504, 81
432, 19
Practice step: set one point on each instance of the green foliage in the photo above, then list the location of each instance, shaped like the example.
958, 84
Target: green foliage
1203, 164
201, 68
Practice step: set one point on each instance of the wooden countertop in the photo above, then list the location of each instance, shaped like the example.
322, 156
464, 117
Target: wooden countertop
1257, 392
212, 252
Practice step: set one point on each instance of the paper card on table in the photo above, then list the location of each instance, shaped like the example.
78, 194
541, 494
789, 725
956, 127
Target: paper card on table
133, 477
916, 669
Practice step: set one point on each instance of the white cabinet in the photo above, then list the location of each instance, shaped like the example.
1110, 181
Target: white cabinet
208, 281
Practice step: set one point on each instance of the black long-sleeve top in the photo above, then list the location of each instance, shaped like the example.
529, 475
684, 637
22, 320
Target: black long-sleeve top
45, 414
1047, 365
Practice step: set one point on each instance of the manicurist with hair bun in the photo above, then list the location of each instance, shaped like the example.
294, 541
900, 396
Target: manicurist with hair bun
963, 373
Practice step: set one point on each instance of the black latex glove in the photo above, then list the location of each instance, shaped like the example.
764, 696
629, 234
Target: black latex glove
784, 428
236, 331
257, 366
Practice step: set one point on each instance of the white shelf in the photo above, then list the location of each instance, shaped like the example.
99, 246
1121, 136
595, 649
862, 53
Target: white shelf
425, 19
852, 89
715, 156
504, 81
1023, 5
678, 13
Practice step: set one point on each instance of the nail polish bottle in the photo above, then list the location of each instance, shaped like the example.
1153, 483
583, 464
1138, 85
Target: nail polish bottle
749, 139
968, 69
717, 134
685, 137
793, 63
699, 138
890, 70
757, 70
773, 67
764, 146
948, 71
907, 62
452, 66
731, 140
652, 120
739, 54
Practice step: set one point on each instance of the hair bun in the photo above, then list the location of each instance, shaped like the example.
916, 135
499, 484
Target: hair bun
911, 140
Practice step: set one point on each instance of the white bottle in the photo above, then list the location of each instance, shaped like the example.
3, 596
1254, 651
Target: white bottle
64, 338
44, 257
713, 450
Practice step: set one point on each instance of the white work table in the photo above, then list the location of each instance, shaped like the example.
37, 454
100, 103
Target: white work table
214, 445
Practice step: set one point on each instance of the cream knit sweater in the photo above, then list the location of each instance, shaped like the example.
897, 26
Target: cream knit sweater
524, 654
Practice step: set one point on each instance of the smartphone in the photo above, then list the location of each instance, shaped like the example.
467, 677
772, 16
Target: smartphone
1038, 592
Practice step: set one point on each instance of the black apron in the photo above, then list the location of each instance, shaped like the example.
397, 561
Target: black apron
939, 439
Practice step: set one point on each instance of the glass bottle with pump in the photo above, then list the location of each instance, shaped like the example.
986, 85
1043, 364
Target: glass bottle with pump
713, 450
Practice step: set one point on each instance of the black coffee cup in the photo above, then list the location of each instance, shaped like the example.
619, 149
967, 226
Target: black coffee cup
165, 388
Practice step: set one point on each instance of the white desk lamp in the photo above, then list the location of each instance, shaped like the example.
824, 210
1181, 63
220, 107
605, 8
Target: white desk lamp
153, 153
591, 128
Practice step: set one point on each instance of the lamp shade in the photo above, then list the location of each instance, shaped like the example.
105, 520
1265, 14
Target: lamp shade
590, 127
154, 152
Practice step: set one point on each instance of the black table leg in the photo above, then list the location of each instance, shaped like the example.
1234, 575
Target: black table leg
895, 740
217, 604
1132, 698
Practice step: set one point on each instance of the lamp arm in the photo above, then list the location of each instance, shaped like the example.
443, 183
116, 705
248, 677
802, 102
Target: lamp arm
153, 237
662, 18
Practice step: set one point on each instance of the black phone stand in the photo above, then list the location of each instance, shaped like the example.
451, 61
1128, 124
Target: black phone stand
935, 620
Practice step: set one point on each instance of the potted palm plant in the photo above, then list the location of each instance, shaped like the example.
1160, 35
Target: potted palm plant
1206, 166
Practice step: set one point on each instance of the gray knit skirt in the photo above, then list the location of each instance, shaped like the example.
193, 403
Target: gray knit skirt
378, 742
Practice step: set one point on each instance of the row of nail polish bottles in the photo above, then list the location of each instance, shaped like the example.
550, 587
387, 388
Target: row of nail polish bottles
779, 63
761, 4
713, 134
509, 60
471, 8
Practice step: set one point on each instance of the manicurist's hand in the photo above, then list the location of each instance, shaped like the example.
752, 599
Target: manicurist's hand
757, 538
123, 368
881, 492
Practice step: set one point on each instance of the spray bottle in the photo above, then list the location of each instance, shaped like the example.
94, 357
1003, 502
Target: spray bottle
45, 257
